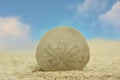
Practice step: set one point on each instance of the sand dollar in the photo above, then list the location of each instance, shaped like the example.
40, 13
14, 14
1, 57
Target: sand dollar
62, 48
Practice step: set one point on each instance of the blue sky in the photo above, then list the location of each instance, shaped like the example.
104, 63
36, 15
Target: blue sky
30, 19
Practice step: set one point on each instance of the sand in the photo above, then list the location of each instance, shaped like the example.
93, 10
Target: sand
104, 64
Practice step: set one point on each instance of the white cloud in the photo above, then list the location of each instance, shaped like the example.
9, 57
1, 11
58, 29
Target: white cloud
12, 26
14, 34
112, 17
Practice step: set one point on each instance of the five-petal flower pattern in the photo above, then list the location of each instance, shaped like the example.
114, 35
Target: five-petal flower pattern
62, 55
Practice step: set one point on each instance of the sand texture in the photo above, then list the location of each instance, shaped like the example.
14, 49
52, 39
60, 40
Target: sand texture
104, 64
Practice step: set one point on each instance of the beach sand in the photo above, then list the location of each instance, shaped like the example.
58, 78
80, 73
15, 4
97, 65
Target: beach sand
104, 64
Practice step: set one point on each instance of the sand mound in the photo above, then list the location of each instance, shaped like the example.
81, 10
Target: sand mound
104, 64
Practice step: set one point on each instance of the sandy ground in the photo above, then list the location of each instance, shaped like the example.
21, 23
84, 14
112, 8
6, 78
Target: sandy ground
104, 64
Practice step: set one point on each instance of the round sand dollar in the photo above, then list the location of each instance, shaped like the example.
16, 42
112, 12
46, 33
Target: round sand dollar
62, 48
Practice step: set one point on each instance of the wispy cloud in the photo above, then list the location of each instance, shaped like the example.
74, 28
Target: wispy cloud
98, 18
70, 7
92, 5
14, 34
